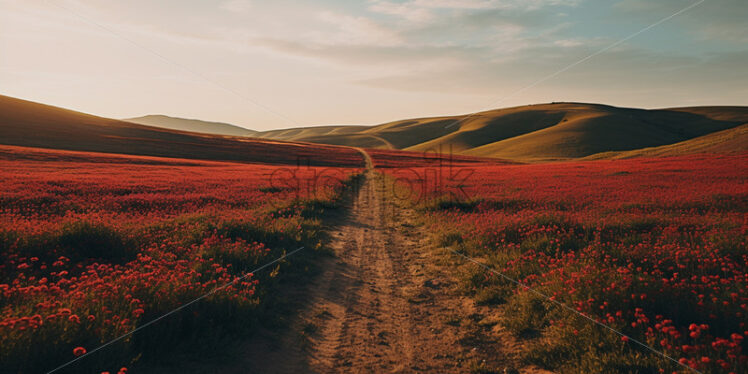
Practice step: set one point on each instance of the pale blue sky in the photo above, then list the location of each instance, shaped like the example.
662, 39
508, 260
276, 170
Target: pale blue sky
272, 64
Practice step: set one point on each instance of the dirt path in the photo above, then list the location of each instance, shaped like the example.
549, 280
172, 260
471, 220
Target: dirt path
367, 159
367, 322
386, 303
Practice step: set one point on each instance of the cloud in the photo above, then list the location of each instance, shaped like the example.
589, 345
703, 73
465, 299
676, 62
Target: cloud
473, 42
386, 51
406, 57
236, 6
354, 30
568, 42
424, 11
474, 32
631, 74
736, 32
723, 20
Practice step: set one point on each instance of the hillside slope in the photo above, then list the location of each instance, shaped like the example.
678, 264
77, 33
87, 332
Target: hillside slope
299, 133
191, 125
30, 124
726, 141
529, 133
588, 129
533, 132
392, 135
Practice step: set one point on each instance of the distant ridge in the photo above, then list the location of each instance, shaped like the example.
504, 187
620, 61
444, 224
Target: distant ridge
29, 124
531, 133
192, 125
540, 132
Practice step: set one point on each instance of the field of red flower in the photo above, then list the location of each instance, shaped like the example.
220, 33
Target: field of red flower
94, 245
654, 248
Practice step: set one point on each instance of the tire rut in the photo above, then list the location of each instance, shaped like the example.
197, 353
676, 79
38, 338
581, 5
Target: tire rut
376, 323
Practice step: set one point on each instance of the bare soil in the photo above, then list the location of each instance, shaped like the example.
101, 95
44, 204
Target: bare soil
386, 302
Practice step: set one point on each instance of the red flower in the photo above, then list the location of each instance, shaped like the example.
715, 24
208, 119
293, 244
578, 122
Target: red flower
79, 351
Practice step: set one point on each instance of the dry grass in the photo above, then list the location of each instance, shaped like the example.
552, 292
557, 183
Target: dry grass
541, 132
192, 125
29, 124
725, 141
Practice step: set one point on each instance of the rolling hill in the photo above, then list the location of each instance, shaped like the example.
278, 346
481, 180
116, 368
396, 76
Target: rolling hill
584, 129
534, 132
306, 132
531, 133
191, 125
29, 124
726, 141
338, 135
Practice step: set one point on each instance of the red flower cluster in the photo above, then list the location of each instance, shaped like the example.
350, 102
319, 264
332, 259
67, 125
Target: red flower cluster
653, 247
91, 247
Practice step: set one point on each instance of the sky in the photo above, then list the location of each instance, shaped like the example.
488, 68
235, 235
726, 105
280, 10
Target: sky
279, 64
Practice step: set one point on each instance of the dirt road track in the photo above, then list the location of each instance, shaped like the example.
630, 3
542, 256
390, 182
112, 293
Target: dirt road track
374, 322
383, 304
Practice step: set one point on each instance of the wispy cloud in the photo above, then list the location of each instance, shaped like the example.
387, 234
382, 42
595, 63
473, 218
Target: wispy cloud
373, 59
354, 30
429, 10
724, 20
236, 6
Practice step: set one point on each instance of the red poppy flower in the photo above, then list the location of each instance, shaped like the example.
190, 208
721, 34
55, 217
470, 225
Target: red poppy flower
79, 351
